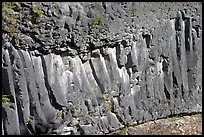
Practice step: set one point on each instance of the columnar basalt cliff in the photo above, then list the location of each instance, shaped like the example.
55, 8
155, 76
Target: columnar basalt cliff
91, 68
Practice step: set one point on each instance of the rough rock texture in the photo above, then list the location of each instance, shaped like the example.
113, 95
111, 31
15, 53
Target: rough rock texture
177, 125
92, 68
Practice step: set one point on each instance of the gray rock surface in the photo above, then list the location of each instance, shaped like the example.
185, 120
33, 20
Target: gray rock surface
94, 67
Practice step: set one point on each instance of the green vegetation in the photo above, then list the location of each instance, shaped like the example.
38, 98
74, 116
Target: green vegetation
97, 6
38, 11
167, 101
116, 86
28, 17
120, 132
174, 118
28, 119
156, 103
189, 69
5, 98
34, 18
57, 8
97, 21
9, 16
10, 4
136, 126
59, 114
92, 114
134, 10
107, 103
175, 91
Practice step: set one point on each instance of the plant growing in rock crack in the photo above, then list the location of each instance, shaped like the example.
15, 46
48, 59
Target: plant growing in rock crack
57, 8
59, 114
10, 18
33, 20
156, 103
34, 17
5, 98
133, 10
121, 131
116, 86
97, 21
28, 119
108, 104
38, 11
175, 91
174, 118
96, 6
189, 69
92, 114
167, 101
10, 4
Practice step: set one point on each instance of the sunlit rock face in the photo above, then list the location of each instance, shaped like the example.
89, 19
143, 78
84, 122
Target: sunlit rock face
92, 68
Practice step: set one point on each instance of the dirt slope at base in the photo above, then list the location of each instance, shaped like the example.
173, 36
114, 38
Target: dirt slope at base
182, 125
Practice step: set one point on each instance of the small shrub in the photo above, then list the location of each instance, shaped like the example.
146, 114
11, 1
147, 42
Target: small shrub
120, 132
29, 17
38, 11
5, 98
97, 6
133, 10
57, 8
12, 5
189, 69
174, 118
10, 17
97, 21
28, 120
167, 101
107, 103
59, 114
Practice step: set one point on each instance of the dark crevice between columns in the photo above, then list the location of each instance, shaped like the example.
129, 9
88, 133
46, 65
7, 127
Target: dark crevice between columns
118, 51
187, 34
53, 100
147, 39
178, 45
95, 76
167, 93
128, 65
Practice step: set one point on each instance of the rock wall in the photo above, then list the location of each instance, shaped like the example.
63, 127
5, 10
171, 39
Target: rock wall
91, 68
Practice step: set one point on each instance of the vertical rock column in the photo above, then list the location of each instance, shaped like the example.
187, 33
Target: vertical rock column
9, 109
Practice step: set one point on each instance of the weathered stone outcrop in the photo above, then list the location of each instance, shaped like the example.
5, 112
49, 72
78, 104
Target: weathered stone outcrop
91, 68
